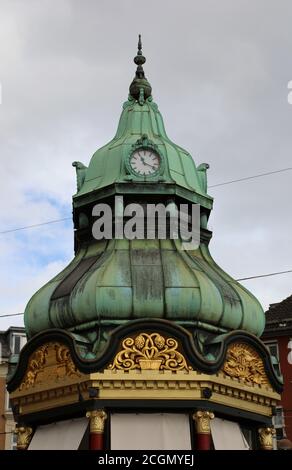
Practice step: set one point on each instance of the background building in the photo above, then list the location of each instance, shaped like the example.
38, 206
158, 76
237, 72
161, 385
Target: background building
11, 342
278, 337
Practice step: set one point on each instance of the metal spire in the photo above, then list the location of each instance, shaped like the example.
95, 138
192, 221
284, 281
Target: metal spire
140, 60
140, 45
140, 88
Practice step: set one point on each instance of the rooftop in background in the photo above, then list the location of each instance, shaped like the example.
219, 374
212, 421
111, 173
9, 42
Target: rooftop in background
12, 329
279, 316
11, 341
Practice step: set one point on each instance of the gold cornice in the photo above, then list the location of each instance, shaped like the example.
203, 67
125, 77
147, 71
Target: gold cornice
151, 385
185, 386
244, 363
149, 351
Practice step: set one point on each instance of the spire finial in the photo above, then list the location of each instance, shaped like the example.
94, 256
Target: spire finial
140, 45
140, 60
140, 86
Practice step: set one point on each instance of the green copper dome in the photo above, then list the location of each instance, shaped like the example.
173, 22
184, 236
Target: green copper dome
141, 118
107, 165
111, 282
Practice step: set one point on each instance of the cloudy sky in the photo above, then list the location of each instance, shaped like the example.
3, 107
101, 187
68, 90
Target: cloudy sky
219, 72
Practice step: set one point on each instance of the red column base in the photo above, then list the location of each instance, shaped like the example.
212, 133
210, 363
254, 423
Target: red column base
203, 441
96, 441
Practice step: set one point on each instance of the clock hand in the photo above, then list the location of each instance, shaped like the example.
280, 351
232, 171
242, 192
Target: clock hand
145, 163
148, 164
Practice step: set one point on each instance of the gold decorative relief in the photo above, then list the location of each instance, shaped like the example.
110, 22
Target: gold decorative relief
48, 363
244, 363
65, 364
149, 352
36, 365
266, 438
97, 421
24, 435
202, 420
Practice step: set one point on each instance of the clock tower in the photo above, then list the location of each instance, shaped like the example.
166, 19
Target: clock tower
140, 342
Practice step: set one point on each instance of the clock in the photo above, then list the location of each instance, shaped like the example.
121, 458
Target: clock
145, 162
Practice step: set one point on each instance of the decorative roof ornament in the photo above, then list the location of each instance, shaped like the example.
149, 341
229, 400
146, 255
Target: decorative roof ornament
140, 88
150, 352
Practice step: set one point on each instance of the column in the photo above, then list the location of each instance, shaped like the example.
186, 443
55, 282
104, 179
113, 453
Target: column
96, 424
24, 435
203, 430
266, 438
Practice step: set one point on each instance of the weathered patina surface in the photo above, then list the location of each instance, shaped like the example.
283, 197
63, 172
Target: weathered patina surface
113, 282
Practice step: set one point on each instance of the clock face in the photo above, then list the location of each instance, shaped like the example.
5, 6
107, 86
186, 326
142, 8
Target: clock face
145, 162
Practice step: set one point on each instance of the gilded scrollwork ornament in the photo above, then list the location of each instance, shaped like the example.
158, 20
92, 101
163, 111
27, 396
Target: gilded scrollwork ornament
50, 362
244, 363
36, 365
202, 420
64, 358
150, 351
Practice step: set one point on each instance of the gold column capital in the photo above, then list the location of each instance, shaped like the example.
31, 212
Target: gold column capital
97, 421
266, 438
24, 435
202, 420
